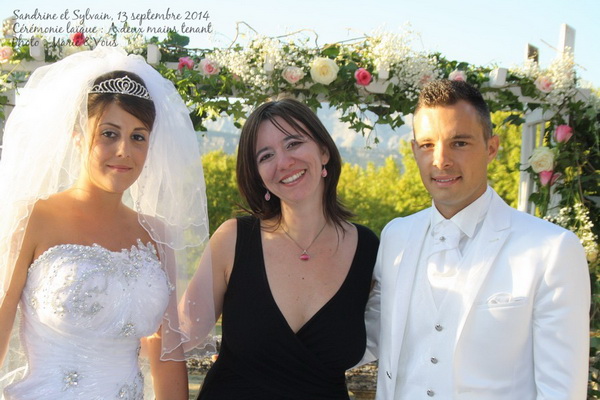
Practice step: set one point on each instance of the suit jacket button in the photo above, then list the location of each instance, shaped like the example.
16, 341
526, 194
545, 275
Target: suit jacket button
439, 328
388, 374
430, 393
434, 360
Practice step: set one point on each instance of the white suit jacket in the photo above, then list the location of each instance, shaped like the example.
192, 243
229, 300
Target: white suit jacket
523, 327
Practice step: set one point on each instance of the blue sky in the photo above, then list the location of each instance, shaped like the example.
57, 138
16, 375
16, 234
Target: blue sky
479, 32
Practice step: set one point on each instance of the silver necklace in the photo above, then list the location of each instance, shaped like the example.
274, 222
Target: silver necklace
304, 256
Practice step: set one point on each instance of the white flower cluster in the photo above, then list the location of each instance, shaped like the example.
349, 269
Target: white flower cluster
529, 69
254, 63
390, 54
562, 74
388, 49
133, 43
8, 26
411, 69
577, 220
244, 63
53, 50
594, 101
556, 83
416, 72
267, 49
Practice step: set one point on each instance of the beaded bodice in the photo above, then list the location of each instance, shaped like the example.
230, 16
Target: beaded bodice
85, 309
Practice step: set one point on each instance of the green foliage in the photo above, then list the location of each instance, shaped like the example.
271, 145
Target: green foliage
3, 102
173, 46
594, 373
412, 195
503, 173
376, 195
221, 187
370, 193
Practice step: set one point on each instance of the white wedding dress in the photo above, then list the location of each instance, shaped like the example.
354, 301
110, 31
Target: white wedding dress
85, 309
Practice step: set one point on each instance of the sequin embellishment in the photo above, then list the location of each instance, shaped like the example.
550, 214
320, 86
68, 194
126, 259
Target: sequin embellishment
91, 306
128, 329
70, 379
132, 391
75, 296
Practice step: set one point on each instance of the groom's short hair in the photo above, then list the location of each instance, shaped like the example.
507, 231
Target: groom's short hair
445, 92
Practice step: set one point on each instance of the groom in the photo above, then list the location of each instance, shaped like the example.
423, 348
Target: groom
473, 299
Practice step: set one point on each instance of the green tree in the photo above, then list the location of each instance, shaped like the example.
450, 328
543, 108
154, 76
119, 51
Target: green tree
221, 187
370, 192
375, 194
412, 196
503, 172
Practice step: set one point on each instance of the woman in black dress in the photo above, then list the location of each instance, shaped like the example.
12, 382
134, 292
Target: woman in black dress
292, 279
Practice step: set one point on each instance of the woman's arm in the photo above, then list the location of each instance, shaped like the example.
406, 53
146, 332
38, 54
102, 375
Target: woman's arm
169, 378
222, 256
8, 309
10, 301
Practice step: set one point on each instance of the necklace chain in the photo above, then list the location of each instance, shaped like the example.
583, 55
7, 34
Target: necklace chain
304, 256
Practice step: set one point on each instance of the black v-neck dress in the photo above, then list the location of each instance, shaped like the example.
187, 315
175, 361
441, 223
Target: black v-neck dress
261, 357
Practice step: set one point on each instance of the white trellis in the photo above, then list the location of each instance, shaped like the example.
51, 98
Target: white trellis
533, 130
531, 137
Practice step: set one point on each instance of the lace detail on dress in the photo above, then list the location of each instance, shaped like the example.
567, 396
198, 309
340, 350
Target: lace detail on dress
75, 296
134, 391
85, 309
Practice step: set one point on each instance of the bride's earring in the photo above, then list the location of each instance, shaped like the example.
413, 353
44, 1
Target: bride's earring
324, 172
267, 196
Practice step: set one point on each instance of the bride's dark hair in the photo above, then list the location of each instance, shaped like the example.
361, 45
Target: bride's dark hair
142, 109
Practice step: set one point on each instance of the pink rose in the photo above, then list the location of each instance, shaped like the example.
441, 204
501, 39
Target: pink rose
185, 62
458, 75
209, 67
548, 177
6, 53
563, 133
78, 38
543, 84
363, 77
292, 74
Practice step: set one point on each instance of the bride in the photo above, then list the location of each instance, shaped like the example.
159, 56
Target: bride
101, 187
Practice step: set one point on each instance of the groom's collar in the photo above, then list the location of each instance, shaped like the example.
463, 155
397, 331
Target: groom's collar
467, 218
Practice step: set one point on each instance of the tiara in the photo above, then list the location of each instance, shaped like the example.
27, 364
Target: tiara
124, 85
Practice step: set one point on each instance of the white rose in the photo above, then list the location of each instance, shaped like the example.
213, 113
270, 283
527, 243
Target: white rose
542, 159
324, 70
292, 74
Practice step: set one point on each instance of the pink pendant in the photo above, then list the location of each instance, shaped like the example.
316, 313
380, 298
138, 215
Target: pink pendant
304, 256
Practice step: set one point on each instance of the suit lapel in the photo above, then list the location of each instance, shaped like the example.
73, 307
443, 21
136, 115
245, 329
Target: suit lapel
487, 245
406, 264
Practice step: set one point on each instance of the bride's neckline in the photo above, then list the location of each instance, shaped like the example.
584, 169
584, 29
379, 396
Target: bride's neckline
139, 246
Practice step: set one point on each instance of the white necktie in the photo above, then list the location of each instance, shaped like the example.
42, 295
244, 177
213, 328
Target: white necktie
442, 264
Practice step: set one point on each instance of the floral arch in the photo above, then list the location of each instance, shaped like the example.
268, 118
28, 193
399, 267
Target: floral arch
378, 75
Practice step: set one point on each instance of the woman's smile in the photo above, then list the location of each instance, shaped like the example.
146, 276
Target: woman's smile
294, 177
